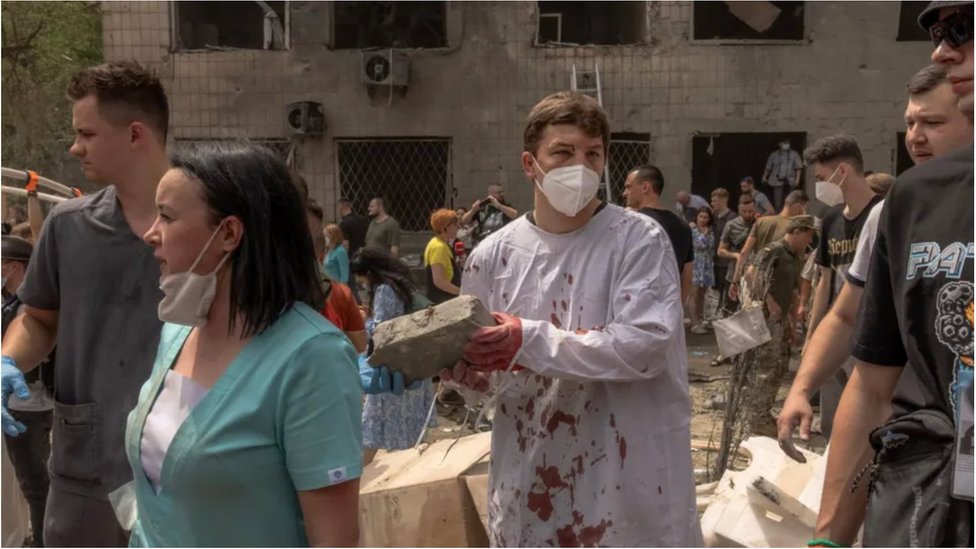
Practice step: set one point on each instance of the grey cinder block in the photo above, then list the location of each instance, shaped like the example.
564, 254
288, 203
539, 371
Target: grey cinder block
421, 344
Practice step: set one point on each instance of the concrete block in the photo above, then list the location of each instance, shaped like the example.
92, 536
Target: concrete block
421, 344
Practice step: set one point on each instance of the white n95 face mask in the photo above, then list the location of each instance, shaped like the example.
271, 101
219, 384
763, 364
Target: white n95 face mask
187, 296
569, 188
830, 193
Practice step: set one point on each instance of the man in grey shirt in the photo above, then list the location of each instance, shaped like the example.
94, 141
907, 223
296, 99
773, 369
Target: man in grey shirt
783, 168
763, 206
92, 287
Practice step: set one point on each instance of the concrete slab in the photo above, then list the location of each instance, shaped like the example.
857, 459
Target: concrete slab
423, 343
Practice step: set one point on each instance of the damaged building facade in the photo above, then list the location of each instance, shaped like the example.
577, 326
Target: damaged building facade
424, 102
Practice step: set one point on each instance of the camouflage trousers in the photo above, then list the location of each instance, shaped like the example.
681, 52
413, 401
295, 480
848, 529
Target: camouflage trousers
763, 370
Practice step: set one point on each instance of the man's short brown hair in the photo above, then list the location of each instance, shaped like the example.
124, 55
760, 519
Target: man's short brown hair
125, 92
880, 183
566, 107
720, 193
746, 198
926, 79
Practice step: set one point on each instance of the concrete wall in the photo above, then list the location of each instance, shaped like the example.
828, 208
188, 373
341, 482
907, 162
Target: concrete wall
848, 75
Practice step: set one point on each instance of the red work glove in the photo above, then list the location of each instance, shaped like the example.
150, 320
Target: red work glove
464, 375
494, 347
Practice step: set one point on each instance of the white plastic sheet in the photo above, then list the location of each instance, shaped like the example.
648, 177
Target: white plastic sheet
742, 331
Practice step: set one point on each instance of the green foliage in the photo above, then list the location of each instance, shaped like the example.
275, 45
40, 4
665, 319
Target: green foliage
44, 44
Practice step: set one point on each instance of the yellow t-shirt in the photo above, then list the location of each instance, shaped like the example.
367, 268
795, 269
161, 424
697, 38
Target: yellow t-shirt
438, 252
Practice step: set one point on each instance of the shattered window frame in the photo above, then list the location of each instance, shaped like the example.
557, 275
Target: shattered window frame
334, 37
638, 27
801, 40
176, 40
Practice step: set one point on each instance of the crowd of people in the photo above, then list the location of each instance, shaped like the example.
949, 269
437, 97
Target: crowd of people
212, 332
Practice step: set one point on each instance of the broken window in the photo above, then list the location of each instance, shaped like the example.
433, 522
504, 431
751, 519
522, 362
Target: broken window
748, 20
627, 151
359, 25
412, 175
908, 29
723, 159
591, 22
249, 25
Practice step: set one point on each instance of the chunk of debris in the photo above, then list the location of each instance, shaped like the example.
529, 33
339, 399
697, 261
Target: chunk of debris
421, 344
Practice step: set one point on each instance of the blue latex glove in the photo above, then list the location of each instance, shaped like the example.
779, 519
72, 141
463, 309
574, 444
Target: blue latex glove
381, 380
12, 382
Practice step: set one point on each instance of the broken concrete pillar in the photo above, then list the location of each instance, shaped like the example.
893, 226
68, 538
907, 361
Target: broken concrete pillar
423, 343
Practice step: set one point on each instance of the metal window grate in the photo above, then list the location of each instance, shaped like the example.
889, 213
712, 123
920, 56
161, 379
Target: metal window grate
412, 175
624, 156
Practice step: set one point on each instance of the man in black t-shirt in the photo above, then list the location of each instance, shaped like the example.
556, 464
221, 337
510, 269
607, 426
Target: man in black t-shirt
917, 309
642, 190
354, 227
839, 168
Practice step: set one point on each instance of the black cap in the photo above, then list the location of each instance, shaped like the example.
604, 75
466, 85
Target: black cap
930, 14
16, 249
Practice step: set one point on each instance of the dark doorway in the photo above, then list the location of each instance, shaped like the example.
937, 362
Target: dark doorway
723, 159
908, 29
903, 160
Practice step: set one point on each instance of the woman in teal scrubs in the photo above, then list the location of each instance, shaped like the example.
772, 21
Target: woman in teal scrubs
248, 430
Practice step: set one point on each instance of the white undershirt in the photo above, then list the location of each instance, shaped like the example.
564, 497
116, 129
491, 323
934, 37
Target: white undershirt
176, 400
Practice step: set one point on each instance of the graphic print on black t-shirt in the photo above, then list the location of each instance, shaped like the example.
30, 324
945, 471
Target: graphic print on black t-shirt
838, 243
918, 301
954, 329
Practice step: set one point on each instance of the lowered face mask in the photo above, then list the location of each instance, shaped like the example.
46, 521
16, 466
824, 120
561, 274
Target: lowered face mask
568, 188
187, 296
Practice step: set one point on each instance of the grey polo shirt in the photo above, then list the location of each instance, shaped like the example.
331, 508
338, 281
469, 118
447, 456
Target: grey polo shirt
104, 281
782, 166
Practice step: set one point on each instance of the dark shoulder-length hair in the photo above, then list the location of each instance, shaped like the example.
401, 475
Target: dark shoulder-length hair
274, 266
382, 267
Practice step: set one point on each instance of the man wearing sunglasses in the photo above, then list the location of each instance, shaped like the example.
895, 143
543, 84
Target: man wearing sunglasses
917, 313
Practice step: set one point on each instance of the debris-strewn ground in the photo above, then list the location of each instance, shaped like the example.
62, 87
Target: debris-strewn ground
707, 388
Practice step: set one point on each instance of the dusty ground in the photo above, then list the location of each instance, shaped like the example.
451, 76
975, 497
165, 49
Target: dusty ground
706, 383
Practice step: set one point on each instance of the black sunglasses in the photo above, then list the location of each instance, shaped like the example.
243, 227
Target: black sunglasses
955, 30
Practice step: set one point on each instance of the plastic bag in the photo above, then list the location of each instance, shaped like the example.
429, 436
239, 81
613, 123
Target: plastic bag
742, 331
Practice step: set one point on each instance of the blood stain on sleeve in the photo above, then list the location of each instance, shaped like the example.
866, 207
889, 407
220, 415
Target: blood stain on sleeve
555, 321
504, 262
627, 297
563, 305
530, 408
569, 278
623, 451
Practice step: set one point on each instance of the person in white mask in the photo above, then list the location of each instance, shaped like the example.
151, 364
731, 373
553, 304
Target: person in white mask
247, 431
841, 185
589, 345
935, 126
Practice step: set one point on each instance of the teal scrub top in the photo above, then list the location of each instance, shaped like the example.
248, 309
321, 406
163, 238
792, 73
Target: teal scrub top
284, 417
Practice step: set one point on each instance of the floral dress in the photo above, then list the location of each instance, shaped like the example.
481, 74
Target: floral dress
392, 422
703, 269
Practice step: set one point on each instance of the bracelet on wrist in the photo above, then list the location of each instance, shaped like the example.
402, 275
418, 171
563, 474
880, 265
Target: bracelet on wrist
824, 542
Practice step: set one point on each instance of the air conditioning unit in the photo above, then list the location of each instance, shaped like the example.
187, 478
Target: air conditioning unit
385, 68
305, 118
